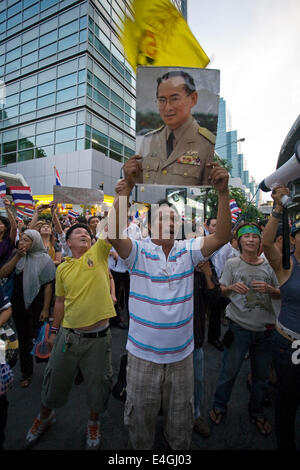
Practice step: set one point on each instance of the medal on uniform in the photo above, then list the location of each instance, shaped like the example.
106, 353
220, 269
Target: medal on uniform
190, 158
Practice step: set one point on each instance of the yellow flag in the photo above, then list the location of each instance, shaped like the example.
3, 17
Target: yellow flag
159, 35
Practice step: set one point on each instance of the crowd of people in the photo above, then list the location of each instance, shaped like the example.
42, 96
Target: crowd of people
81, 275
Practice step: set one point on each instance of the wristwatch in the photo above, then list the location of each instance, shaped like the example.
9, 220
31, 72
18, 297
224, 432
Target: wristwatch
276, 214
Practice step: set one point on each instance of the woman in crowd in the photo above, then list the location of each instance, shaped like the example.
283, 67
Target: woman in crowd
34, 273
286, 358
44, 227
8, 233
52, 247
5, 313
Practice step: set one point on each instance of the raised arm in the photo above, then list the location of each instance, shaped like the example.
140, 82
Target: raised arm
55, 219
271, 250
37, 212
117, 217
219, 178
12, 220
5, 316
8, 267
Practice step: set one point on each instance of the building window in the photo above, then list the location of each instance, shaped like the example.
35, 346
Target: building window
67, 94
45, 139
66, 147
29, 58
45, 151
25, 155
67, 81
30, 12
45, 88
48, 38
9, 146
66, 134
47, 51
47, 100
28, 107
26, 143
69, 41
9, 158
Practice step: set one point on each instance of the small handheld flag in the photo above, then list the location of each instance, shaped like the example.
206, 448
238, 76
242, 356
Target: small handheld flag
73, 214
25, 212
57, 177
235, 210
20, 216
2, 188
21, 195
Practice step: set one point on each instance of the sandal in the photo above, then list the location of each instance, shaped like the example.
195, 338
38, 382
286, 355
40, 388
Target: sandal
216, 416
260, 423
26, 382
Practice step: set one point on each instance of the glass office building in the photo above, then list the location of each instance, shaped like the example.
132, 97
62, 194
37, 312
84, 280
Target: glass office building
227, 148
68, 85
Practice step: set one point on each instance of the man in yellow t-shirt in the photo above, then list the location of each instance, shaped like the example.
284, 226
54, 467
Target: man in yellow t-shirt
81, 332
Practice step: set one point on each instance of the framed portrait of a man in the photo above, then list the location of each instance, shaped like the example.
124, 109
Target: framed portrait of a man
176, 124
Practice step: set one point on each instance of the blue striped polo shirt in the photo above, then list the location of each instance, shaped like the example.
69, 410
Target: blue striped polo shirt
161, 299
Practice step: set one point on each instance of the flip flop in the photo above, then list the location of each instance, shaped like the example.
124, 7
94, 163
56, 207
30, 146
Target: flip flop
26, 382
217, 416
260, 423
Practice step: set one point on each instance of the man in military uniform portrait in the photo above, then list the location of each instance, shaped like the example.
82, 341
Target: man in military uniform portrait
177, 152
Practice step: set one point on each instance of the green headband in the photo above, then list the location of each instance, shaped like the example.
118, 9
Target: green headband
248, 229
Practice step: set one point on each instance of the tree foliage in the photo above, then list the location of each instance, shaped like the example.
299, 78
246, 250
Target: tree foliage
210, 198
249, 210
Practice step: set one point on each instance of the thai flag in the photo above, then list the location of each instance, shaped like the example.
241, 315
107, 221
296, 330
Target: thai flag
73, 214
21, 195
57, 177
58, 181
27, 212
20, 215
235, 210
2, 188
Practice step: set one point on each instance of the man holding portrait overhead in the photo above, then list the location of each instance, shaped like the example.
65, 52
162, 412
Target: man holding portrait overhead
177, 152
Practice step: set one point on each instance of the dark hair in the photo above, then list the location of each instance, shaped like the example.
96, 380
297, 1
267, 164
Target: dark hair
242, 224
189, 84
262, 223
74, 227
161, 202
209, 220
93, 217
82, 219
5, 222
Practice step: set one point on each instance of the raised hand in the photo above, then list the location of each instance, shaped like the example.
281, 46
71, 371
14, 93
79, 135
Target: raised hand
277, 194
219, 176
132, 169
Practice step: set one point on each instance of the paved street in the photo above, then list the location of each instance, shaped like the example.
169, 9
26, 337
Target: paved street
235, 432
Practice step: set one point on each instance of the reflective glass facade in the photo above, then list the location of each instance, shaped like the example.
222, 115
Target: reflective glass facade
68, 85
227, 148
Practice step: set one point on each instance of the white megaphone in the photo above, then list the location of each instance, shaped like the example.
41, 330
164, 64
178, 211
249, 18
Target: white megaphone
283, 175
